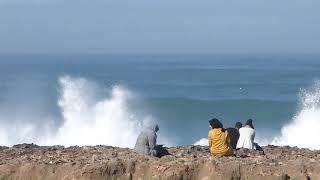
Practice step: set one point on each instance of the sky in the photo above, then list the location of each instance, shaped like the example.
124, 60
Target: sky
159, 26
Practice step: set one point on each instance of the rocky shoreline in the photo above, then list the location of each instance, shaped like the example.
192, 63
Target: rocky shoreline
29, 161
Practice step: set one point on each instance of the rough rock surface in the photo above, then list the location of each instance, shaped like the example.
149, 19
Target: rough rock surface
29, 161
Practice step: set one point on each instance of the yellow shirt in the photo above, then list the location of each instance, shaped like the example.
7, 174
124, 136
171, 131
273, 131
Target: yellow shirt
219, 142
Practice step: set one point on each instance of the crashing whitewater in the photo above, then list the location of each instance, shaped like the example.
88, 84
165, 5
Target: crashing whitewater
86, 119
302, 130
109, 120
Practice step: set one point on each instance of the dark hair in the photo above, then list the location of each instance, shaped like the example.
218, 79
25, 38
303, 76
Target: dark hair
156, 128
215, 123
249, 123
238, 125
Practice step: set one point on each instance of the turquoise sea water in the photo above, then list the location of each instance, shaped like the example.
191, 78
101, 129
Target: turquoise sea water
182, 92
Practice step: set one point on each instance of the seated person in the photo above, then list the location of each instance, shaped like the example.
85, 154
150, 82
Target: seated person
219, 142
234, 134
247, 134
147, 140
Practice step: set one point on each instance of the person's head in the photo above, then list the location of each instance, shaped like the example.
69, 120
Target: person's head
238, 125
153, 127
249, 123
215, 123
156, 128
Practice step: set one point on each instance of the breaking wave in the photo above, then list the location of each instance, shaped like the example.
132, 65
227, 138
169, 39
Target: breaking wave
303, 130
86, 119
202, 142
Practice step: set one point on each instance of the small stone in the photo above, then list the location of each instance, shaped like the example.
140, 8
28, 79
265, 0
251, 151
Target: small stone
285, 177
312, 160
272, 164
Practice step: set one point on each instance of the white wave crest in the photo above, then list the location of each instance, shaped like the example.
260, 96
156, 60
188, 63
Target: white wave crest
303, 130
202, 142
90, 122
86, 119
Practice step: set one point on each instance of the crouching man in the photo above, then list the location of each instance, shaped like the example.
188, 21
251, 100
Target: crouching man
147, 141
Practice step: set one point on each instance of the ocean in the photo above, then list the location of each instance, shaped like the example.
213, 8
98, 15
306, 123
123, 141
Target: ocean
90, 99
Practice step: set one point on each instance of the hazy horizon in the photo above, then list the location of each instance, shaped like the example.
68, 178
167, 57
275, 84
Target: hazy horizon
159, 27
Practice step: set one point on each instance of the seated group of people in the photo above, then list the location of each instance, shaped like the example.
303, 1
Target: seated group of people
222, 142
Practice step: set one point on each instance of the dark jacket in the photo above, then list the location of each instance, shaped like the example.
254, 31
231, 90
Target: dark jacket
234, 136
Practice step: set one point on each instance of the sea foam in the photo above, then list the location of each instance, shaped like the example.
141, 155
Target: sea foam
86, 119
202, 142
303, 130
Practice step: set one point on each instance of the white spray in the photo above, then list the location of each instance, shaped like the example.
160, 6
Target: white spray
303, 130
90, 122
86, 119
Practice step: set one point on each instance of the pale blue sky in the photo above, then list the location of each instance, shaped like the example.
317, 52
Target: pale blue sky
159, 26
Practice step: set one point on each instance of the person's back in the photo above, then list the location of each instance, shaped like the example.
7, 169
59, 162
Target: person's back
234, 134
146, 141
247, 134
219, 142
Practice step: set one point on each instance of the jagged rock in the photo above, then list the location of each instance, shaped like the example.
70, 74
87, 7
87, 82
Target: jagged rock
3, 148
29, 161
25, 146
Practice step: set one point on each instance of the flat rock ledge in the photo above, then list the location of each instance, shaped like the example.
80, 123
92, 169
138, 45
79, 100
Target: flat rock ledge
29, 161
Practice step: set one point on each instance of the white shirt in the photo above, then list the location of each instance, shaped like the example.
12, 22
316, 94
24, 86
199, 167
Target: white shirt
246, 138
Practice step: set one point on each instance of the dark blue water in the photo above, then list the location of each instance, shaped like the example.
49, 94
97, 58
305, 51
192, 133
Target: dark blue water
181, 91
